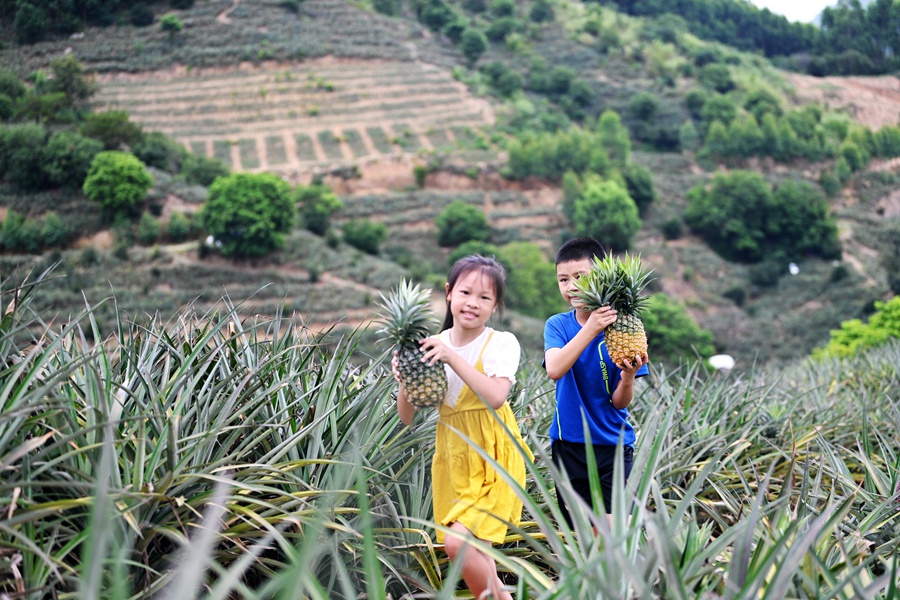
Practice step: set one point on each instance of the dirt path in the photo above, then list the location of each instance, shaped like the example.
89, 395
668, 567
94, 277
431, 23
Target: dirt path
223, 16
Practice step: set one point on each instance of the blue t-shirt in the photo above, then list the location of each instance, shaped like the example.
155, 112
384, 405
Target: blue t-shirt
584, 390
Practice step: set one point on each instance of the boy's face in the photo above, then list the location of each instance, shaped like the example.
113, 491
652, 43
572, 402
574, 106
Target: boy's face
567, 273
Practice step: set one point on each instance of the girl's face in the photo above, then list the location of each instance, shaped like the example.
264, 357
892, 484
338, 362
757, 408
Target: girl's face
472, 300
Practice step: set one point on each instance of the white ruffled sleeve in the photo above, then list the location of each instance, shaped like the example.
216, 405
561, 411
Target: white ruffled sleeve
501, 357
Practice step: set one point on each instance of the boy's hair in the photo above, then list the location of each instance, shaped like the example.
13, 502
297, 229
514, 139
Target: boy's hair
579, 249
489, 266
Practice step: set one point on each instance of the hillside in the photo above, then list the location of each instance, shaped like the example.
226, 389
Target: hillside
359, 99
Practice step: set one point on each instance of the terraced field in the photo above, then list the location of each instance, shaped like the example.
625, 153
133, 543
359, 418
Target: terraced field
277, 117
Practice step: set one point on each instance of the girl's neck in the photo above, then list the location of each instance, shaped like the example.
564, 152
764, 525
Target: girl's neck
459, 337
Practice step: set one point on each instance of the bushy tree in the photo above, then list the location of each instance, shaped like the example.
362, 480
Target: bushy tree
70, 79
22, 155
855, 336
118, 181
178, 227
607, 213
68, 157
639, 182
203, 170
54, 231
30, 23
114, 128
472, 43
800, 222
531, 288
718, 108
171, 24
672, 335
461, 222
248, 213
148, 230
717, 77
365, 235
614, 138
316, 203
158, 150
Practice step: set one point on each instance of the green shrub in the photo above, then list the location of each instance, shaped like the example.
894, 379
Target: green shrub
148, 230
607, 213
203, 170
158, 150
141, 15
316, 204
118, 181
248, 214
68, 158
390, 8
365, 235
461, 222
643, 106
54, 232
673, 228
114, 128
22, 155
472, 43
716, 77
178, 228
855, 336
419, 173
672, 335
639, 182
532, 287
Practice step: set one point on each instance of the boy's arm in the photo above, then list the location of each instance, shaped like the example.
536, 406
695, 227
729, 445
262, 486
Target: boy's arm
624, 392
558, 361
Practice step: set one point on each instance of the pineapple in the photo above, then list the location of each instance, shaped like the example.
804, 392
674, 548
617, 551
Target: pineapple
406, 318
617, 283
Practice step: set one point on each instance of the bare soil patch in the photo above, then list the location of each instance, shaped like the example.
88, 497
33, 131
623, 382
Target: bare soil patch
873, 101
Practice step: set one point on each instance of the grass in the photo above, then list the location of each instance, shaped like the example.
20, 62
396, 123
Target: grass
219, 454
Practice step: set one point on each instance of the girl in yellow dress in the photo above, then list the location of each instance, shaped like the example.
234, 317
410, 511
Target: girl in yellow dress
469, 496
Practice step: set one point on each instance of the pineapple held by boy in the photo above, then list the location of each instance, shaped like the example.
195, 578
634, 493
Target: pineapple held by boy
406, 318
617, 283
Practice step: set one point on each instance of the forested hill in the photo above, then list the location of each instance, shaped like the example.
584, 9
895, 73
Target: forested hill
853, 39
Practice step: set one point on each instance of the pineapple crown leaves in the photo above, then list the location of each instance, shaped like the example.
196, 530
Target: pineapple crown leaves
614, 282
405, 315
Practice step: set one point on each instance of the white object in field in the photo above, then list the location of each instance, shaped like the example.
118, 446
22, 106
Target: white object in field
793, 268
722, 362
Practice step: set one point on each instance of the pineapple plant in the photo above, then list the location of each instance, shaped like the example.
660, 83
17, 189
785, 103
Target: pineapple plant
406, 318
617, 283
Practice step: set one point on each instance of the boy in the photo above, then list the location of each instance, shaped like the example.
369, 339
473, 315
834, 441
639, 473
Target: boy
588, 384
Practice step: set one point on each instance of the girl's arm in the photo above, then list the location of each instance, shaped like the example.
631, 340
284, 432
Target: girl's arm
406, 410
493, 390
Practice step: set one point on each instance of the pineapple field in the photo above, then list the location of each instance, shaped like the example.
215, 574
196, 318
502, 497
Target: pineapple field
292, 117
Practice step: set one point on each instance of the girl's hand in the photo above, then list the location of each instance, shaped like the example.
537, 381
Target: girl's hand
434, 350
395, 365
630, 367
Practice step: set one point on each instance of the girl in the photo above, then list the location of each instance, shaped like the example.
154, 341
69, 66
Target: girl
469, 496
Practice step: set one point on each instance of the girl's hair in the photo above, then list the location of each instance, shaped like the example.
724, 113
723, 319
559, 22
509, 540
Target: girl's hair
488, 266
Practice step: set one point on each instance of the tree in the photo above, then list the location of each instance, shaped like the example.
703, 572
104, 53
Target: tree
114, 128
54, 231
607, 213
531, 287
70, 79
30, 23
203, 170
68, 157
148, 230
365, 235
316, 204
639, 182
461, 222
118, 181
672, 334
800, 222
855, 336
171, 24
472, 43
248, 214
158, 150
614, 138
22, 155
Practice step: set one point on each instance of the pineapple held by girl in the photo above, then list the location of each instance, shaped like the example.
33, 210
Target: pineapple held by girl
406, 318
617, 283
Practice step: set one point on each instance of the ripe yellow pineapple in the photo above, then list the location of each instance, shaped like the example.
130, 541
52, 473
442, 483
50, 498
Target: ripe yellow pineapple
406, 318
618, 283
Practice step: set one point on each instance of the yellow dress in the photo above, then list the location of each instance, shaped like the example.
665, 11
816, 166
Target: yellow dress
466, 488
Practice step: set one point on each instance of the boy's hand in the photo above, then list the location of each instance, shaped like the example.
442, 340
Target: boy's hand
630, 367
435, 350
600, 319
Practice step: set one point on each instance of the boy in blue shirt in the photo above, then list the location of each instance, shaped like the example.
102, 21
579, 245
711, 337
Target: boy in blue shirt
588, 384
